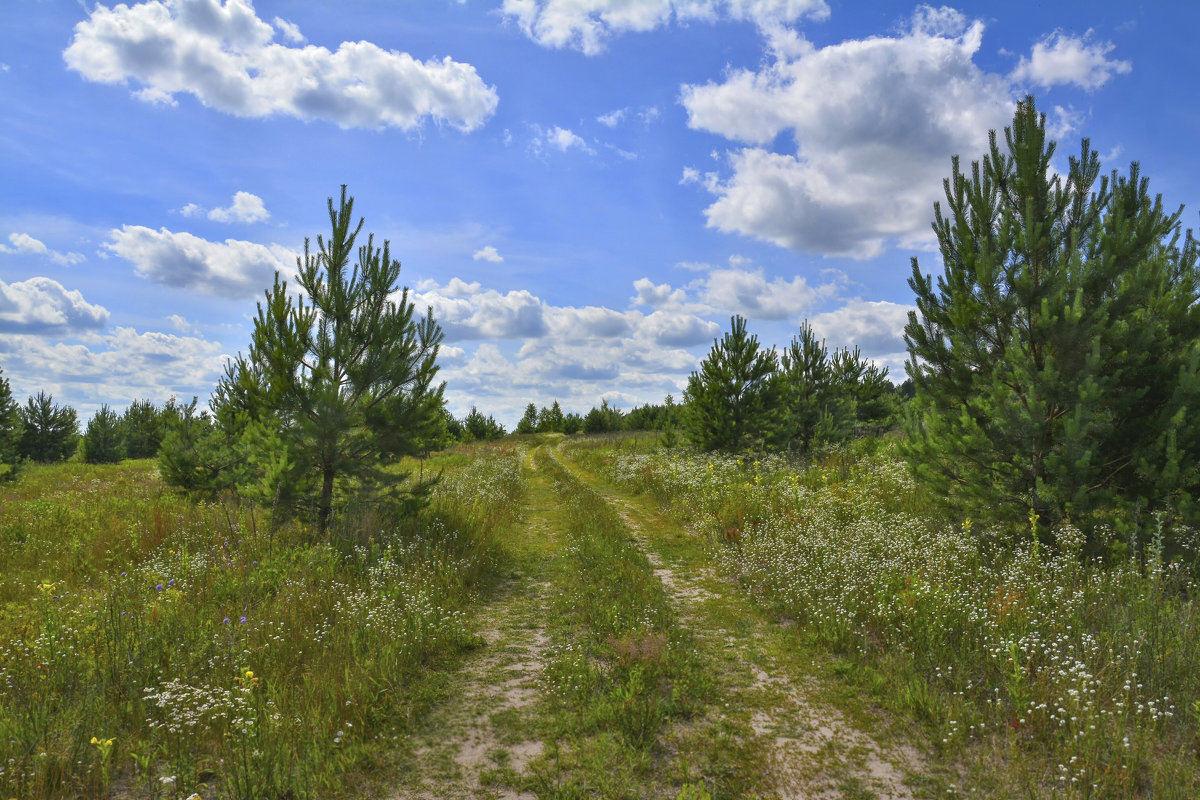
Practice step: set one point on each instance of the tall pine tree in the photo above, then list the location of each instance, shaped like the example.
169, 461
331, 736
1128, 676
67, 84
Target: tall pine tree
1056, 359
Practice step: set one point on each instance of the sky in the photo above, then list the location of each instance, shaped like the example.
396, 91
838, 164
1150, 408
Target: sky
583, 191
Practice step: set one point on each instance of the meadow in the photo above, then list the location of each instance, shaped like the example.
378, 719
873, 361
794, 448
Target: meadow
1040, 671
153, 647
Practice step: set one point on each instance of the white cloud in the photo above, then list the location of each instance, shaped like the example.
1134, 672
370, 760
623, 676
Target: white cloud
467, 312
558, 138
114, 368
191, 210
876, 327
655, 295
246, 207
690, 175
586, 25
874, 123
1060, 59
751, 294
223, 54
26, 244
232, 269
43, 306
612, 118
290, 30
488, 253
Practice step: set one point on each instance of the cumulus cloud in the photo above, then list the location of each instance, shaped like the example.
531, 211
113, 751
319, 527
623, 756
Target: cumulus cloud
112, 367
467, 311
750, 293
1060, 59
586, 25
876, 327
231, 268
873, 124
24, 243
488, 253
246, 207
45, 307
225, 56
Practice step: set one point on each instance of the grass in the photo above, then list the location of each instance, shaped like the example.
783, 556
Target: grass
204, 651
619, 668
1046, 674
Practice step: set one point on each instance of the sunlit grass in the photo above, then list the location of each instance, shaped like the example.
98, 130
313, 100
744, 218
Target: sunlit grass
216, 653
1077, 678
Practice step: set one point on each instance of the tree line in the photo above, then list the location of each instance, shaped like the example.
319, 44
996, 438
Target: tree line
43, 431
1053, 367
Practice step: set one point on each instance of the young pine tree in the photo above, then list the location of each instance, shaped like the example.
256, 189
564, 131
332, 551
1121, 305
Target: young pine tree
103, 440
50, 432
733, 400
529, 422
1057, 357
338, 383
11, 428
144, 426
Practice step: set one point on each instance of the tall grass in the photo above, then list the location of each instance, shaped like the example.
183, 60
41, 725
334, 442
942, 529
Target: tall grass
156, 648
1078, 678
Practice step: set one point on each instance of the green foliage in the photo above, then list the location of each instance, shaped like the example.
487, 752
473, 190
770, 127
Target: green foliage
733, 399
103, 440
529, 421
651, 417
572, 422
827, 399
143, 426
337, 384
480, 428
11, 429
550, 420
1057, 358
195, 456
603, 419
50, 432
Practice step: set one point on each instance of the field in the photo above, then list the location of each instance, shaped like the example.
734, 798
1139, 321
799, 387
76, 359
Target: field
586, 617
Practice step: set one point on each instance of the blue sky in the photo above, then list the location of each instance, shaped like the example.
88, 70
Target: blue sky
583, 190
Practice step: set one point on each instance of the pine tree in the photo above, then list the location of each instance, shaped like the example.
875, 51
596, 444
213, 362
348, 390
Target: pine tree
733, 399
103, 440
50, 432
603, 419
144, 427
805, 386
11, 428
528, 423
338, 383
482, 428
550, 420
1057, 357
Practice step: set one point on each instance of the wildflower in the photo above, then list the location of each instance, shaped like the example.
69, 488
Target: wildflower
243, 620
158, 588
225, 621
